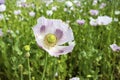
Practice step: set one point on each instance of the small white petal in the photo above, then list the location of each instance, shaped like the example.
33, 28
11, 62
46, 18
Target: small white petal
93, 22
58, 24
115, 47
60, 50
2, 7
104, 20
68, 3
49, 12
32, 14
1, 16
75, 78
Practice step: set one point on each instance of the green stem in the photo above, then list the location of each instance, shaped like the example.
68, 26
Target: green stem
29, 73
45, 66
21, 75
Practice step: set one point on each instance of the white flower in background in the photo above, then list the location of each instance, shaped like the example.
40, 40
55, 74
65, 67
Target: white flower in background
2, 7
17, 12
60, 0
47, 2
115, 47
1, 33
52, 34
80, 22
68, 3
101, 20
32, 5
2, 1
54, 8
117, 12
72, 8
81, 10
94, 12
95, 2
93, 22
102, 5
56, 74
23, 0
104, 20
65, 9
1, 16
32, 13
116, 19
21, 3
77, 3
75, 78
49, 12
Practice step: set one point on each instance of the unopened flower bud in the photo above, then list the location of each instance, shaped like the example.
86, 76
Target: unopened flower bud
33, 78
27, 55
27, 47
20, 67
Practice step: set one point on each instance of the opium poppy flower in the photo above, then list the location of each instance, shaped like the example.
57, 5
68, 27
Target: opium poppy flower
52, 34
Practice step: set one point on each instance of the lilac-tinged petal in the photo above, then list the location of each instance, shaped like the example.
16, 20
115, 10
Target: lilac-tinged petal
67, 31
48, 23
42, 28
59, 34
40, 42
60, 50
93, 22
94, 12
80, 22
2, 1
38, 35
115, 47
102, 5
104, 20
2, 7
42, 21
36, 30
67, 36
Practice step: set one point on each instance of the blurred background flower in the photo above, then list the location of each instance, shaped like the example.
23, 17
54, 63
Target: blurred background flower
94, 12
75, 78
1, 33
115, 47
80, 22
2, 1
2, 7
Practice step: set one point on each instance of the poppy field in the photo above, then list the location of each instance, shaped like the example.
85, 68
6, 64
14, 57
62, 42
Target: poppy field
59, 40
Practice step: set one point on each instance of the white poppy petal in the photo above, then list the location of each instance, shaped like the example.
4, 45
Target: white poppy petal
39, 35
60, 50
59, 34
66, 34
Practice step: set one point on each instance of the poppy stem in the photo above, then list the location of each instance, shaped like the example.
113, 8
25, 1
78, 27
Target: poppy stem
29, 73
45, 66
21, 76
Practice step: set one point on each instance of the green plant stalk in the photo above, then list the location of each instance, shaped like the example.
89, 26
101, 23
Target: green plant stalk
43, 75
29, 73
21, 75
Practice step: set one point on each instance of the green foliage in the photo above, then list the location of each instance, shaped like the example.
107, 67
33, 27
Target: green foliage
91, 59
